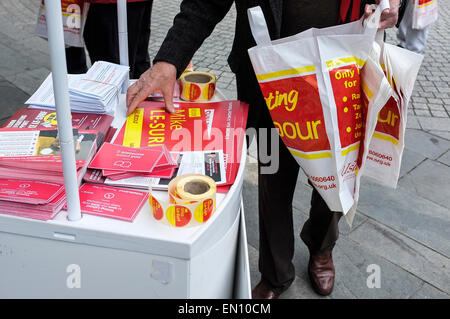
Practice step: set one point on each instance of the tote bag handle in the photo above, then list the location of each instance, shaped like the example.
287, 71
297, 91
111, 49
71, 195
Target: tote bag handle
258, 26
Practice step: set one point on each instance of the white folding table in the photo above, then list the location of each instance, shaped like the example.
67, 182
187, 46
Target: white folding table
118, 259
95, 257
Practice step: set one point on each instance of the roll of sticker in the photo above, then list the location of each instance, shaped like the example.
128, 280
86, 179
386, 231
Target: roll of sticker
197, 86
192, 201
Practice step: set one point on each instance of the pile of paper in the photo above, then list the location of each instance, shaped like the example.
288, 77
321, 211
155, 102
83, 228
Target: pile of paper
97, 91
35, 154
44, 118
210, 144
120, 162
111, 202
31, 199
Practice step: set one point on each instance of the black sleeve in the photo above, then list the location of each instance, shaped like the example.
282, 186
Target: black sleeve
191, 26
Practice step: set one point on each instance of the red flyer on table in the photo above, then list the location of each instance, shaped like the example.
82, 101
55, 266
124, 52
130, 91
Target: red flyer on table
211, 126
121, 158
157, 173
111, 202
166, 164
31, 192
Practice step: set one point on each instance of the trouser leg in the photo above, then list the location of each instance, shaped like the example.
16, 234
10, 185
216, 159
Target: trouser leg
411, 39
321, 231
101, 35
141, 11
276, 233
76, 60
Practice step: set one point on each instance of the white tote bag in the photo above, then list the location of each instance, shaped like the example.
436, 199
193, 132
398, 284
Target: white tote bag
311, 84
384, 156
74, 13
425, 12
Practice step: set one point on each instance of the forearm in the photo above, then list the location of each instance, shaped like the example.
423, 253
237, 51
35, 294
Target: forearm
192, 25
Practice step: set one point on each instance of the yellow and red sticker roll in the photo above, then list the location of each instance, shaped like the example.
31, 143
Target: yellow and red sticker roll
197, 86
192, 201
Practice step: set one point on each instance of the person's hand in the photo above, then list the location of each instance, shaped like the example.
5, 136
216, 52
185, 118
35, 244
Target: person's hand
388, 16
160, 77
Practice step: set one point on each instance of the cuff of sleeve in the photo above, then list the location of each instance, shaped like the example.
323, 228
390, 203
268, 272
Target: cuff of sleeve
180, 68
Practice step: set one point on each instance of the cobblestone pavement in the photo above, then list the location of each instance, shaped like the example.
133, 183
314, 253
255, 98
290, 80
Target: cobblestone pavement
403, 231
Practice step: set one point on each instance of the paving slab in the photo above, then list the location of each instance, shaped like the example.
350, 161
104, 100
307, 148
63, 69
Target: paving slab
302, 197
430, 292
10, 100
351, 261
442, 134
301, 289
434, 123
404, 252
250, 198
413, 123
445, 158
29, 81
426, 144
407, 213
34, 49
430, 180
410, 160
13, 62
255, 276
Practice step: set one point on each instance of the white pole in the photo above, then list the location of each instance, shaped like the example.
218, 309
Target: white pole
123, 37
60, 87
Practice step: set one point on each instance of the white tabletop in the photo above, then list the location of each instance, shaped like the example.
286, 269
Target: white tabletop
144, 233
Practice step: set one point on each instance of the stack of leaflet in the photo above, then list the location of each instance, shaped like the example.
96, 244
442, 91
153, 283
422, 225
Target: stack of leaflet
31, 199
41, 118
35, 154
208, 137
97, 91
120, 162
111, 202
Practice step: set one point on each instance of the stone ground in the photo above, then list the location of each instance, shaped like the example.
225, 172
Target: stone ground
404, 231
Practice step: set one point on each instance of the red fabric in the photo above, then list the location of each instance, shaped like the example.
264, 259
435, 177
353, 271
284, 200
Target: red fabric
344, 10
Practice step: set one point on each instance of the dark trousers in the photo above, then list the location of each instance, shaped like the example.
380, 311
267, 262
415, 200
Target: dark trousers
102, 41
275, 195
76, 60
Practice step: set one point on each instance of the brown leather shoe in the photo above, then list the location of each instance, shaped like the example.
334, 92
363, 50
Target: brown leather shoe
263, 291
321, 273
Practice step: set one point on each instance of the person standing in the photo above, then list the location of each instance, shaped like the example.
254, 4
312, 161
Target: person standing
102, 41
192, 25
411, 39
101, 33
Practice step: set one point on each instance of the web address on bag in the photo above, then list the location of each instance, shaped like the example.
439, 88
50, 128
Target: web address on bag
322, 179
379, 158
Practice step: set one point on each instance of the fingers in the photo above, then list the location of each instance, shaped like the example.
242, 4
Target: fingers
168, 98
389, 19
160, 77
389, 15
137, 96
367, 11
131, 93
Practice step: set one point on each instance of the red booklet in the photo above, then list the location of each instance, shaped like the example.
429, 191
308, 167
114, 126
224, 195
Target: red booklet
31, 192
41, 212
40, 149
121, 158
193, 127
166, 163
111, 202
156, 173
42, 118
